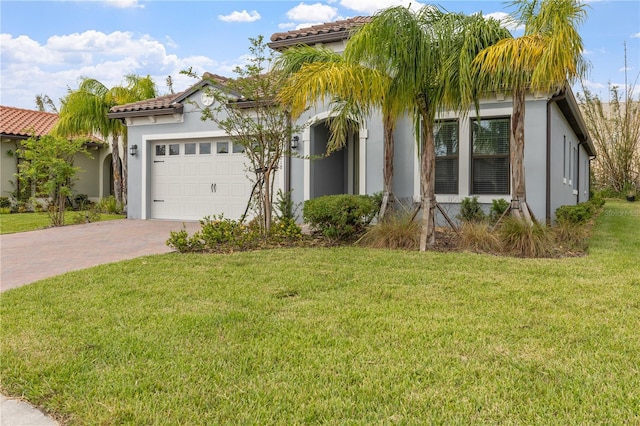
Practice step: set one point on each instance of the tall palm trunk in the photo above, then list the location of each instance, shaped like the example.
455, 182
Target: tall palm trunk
519, 205
427, 185
117, 169
389, 143
125, 167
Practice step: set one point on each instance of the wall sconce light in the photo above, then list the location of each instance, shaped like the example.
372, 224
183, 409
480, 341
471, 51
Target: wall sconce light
294, 142
133, 150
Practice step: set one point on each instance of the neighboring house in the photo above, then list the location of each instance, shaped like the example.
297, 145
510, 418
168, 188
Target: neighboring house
16, 125
172, 178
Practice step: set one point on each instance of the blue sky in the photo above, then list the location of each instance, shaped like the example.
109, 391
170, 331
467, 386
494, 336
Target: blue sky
47, 46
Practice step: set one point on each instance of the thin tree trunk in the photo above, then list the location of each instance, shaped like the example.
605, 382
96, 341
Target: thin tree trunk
427, 186
117, 171
389, 143
519, 206
266, 204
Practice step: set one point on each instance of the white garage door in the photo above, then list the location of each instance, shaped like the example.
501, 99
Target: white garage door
191, 180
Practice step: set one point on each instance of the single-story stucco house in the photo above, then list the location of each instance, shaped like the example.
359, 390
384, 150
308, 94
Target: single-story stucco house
186, 168
17, 124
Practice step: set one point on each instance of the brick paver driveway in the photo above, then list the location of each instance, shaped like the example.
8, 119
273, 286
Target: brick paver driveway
31, 256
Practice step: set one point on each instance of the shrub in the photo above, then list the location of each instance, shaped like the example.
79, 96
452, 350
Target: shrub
470, 210
396, 231
219, 230
86, 216
579, 213
520, 237
285, 229
181, 241
5, 210
5, 202
81, 201
498, 207
478, 237
109, 205
284, 208
341, 217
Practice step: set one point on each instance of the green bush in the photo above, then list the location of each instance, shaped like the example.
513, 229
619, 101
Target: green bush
285, 229
498, 207
109, 205
470, 210
220, 231
284, 208
181, 241
579, 213
5, 202
341, 217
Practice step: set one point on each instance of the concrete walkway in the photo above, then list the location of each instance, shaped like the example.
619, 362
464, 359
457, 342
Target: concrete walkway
31, 256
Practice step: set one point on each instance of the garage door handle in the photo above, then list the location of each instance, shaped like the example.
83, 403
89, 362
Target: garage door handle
214, 187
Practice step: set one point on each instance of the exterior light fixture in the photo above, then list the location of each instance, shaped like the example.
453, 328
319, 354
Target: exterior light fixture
294, 142
133, 150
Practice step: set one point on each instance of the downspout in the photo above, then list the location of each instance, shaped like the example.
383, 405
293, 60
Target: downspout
553, 99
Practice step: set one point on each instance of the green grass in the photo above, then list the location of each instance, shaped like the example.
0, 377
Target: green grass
336, 336
22, 222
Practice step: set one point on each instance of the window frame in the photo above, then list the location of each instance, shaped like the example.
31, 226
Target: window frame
455, 157
473, 156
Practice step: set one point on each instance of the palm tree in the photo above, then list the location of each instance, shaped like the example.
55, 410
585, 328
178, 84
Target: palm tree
428, 53
85, 111
545, 59
314, 74
405, 63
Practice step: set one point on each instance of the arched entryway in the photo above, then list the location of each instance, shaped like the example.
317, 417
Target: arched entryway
339, 173
107, 176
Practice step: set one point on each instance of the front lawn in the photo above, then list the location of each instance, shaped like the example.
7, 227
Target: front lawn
22, 222
336, 336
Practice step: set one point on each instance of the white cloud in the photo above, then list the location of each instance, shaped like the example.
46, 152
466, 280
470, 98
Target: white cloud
506, 20
317, 12
623, 69
124, 4
286, 25
372, 6
243, 16
307, 24
29, 68
636, 35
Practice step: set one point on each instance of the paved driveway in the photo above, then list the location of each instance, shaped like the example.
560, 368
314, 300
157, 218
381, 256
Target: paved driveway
31, 256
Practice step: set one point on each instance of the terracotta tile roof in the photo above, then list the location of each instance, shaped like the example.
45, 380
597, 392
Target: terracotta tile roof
327, 32
25, 122
161, 102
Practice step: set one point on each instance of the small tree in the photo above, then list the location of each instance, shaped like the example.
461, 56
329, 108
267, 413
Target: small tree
245, 108
48, 161
615, 130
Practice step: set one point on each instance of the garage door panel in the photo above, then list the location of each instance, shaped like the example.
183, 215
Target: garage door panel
193, 186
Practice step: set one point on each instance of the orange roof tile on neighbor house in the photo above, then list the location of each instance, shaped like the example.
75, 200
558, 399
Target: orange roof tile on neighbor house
323, 33
18, 122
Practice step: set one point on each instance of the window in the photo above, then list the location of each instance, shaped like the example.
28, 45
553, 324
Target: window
205, 148
161, 149
445, 135
174, 149
564, 159
490, 156
189, 149
238, 148
222, 147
